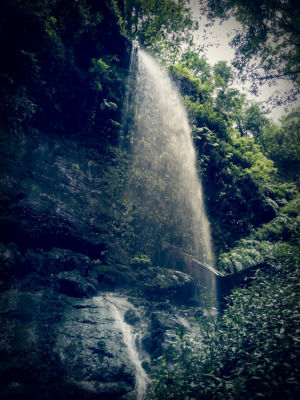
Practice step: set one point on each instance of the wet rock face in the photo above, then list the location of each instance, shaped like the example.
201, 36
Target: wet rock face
28, 324
60, 339
75, 343
90, 348
72, 283
60, 347
51, 194
66, 347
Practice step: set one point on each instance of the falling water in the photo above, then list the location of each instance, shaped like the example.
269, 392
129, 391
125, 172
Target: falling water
164, 188
118, 306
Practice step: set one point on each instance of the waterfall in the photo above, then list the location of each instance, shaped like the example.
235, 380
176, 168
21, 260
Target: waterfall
164, 190
118, 306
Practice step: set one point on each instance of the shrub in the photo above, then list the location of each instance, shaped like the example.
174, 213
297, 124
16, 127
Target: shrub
251, 352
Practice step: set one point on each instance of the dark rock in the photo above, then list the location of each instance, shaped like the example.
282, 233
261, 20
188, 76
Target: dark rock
152, 283
113, 275
159, 321
90, 347
75, 344
51, 194
153, 340
163, 283
101, 349
130, 317
153, 343
147, 344
55, 233
11, 264
35, 282
198, 313
56, 260
37, 262
107, 390
117, 255
71, 283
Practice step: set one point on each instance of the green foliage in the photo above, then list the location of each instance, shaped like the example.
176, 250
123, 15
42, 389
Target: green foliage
252, 122
239, 150
265, 243
140, 261
292, 208
189, 84
248, 253
237, 179
61, 59
282, 144
223, 73
251, 352
99, 73
261, 169
162, 25
267, 46
285, 227
198, 66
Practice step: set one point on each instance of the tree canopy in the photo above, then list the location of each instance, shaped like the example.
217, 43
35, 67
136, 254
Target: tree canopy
268, 45
163, 25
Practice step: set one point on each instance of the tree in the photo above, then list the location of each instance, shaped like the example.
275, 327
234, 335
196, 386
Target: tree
162, 25
227, 131
197, 64
268, 47
252, 122
223, 72
282, 144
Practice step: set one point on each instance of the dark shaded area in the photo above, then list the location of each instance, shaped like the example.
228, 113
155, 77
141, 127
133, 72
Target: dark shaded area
49, 76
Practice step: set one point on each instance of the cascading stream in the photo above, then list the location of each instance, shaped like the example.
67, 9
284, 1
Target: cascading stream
118, 306
129, 339
163, 186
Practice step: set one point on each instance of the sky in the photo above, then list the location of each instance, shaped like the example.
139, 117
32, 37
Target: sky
218, 36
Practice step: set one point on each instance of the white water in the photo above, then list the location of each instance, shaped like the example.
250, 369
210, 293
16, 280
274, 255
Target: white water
164, 187
118, 306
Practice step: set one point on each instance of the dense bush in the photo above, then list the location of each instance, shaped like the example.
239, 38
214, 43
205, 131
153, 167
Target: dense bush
251, 352
64, 67
263, 244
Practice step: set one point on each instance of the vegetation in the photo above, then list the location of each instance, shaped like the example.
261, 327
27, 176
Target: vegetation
56, 75
281, 144
267, 46
249, 169
162, 25
250, 353
230, 134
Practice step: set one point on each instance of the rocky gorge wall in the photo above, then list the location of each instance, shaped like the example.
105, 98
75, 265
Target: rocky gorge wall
79, 319
61, 271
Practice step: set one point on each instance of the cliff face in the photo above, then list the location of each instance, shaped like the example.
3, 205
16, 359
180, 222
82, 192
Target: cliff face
79, 319
52, 193
66, 289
